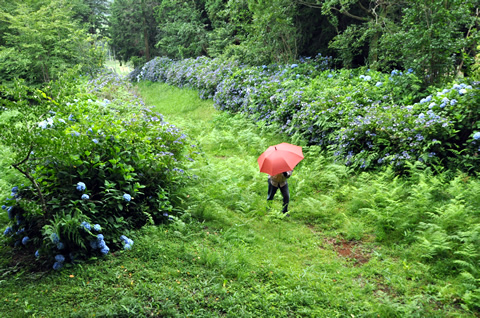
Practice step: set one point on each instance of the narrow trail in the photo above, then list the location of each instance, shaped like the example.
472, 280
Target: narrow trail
232, 198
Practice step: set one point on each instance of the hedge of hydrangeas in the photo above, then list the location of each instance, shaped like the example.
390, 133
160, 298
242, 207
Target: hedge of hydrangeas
366, 119
94, 169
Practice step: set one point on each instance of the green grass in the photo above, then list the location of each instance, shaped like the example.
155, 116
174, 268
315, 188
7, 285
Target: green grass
228, 256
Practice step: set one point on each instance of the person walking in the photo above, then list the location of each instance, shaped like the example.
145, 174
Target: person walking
279, 181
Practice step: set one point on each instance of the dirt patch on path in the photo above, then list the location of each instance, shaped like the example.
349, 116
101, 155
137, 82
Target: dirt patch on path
352, 250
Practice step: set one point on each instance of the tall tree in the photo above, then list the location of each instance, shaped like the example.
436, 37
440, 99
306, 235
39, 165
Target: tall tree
133, 29
42, 40
182, 29
92, 13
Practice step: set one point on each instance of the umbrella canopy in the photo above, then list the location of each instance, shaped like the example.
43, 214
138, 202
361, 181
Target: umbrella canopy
280, 158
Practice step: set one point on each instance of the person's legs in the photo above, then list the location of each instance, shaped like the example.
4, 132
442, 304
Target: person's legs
286, 197
271, 191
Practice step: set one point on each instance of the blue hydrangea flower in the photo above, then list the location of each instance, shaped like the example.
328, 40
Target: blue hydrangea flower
10, 213
100, 237
123, 237
379, 84
95, 141
85, 197
129, 242
101, 244
81, 186
86, 225
37, 254
60, 258
294, 65
97, 227
60, 245
57, 266
127, 197
476, 135
70, 117
25, 240
463, 91
4, 207
54, 238
8, 231
94, 245
127, 247
105, 250
15, 189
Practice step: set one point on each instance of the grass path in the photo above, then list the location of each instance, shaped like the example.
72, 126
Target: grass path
239, 260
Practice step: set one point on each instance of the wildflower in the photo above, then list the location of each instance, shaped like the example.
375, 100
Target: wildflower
127, 197
57, 266
81, 186
97, 227
25, 240
60, 258
476, 135
86, 225
85, 197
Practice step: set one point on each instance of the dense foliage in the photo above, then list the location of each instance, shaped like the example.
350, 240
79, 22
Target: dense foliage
93, 168
366, 118
438, 39
41, 41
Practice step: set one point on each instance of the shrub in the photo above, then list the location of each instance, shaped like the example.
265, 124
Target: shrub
95, 169
367, 119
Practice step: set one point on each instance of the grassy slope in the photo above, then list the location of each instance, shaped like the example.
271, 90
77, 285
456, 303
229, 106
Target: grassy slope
240, 261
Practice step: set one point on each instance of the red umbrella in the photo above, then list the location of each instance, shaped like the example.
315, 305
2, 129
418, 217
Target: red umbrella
280, 158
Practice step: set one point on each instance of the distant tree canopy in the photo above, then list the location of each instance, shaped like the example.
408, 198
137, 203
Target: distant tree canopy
436, 38
42, 39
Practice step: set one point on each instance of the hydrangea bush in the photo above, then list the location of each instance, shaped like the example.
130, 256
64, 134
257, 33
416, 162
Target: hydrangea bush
94, 169
366, 119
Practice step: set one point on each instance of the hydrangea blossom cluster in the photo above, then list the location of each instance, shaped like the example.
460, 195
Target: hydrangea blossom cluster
100, 244
59, 260
127, 243
368, 119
